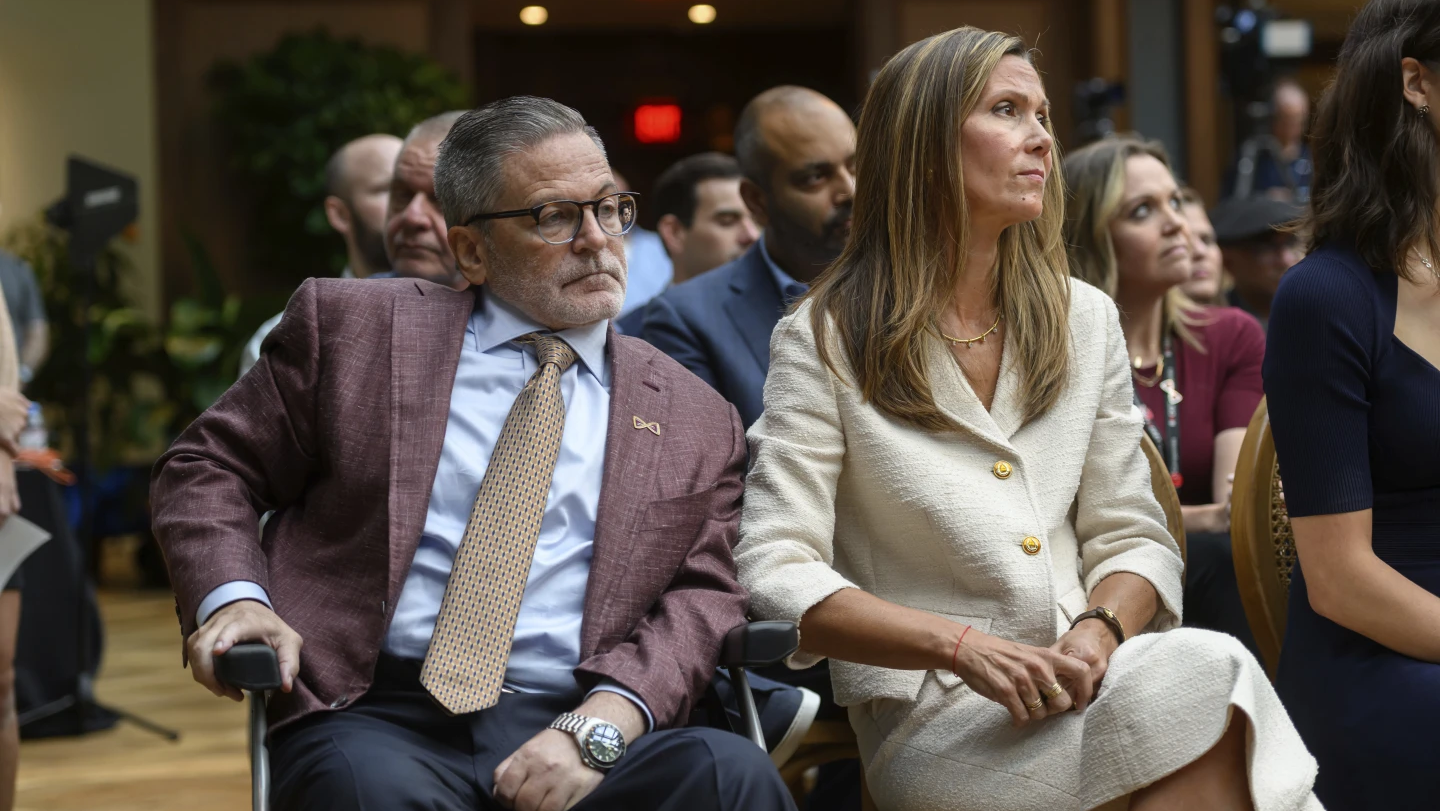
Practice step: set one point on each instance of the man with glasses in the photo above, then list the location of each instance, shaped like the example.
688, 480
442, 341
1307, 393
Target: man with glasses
1256, 252
502, 531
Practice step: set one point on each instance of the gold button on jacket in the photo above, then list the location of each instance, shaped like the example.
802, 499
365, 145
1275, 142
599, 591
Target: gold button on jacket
1031, 545
1002, 469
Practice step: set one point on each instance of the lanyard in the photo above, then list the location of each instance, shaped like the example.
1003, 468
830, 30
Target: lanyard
1169, 442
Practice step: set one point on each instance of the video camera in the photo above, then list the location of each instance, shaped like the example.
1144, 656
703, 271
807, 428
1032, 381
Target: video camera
99, 203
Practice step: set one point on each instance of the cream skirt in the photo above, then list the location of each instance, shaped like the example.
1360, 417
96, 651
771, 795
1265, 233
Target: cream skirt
1165, 701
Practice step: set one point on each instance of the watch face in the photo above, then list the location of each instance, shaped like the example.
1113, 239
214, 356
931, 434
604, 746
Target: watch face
605, 743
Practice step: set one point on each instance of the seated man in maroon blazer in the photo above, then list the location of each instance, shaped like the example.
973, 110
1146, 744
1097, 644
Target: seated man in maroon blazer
502, 532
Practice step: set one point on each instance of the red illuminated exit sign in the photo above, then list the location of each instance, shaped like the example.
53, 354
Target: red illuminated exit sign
657, 123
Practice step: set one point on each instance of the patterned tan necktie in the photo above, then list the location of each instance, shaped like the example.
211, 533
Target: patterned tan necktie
470, 648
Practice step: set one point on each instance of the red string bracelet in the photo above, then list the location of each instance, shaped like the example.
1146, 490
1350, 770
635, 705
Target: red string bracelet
957, 649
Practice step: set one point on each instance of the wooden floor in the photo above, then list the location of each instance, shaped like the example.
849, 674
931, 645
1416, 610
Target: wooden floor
127, 768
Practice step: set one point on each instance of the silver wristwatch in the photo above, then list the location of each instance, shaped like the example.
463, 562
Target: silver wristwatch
601, 742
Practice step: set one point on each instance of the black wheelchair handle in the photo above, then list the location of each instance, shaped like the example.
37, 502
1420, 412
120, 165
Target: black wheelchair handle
756, 644
249, 666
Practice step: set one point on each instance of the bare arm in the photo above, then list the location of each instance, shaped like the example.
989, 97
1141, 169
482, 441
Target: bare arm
1215, 517
1349, 585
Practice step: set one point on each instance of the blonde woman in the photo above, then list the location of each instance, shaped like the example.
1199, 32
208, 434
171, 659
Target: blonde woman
948, 493
1196, 369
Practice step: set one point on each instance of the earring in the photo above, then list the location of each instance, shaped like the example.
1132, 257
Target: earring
1424, 111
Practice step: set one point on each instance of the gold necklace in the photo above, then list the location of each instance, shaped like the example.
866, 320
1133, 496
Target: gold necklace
977, 339
1137, 364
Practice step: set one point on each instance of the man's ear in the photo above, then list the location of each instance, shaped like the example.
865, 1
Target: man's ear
1416, 81
756, 201
672, 233
338, 214
469, 251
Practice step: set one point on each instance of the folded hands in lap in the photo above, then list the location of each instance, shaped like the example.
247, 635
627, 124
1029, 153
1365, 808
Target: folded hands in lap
1017, 676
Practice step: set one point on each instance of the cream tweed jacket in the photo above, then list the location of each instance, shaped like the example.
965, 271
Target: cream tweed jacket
840, 496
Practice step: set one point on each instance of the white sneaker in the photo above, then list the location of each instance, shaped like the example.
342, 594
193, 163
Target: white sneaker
804, 717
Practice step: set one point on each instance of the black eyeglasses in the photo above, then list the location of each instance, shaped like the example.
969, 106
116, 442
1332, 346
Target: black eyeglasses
560, 221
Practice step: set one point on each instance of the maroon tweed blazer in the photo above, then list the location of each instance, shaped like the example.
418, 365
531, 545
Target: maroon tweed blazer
338, 429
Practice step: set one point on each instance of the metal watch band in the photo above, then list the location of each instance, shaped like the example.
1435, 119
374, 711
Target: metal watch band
569, 722
1106, 616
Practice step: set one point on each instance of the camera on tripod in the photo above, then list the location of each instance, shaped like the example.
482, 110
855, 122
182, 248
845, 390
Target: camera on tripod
1254, 41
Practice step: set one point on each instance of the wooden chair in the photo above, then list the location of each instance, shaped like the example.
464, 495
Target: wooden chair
1261, 539
1164, 488
834, 740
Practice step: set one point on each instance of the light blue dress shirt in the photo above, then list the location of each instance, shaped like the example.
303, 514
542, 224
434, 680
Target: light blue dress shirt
492, 371
789, 288
647, 266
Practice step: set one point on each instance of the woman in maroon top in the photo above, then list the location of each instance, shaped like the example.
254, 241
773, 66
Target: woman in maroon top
1196, 369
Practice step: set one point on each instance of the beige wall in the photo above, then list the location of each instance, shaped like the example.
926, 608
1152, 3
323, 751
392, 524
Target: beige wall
77, 76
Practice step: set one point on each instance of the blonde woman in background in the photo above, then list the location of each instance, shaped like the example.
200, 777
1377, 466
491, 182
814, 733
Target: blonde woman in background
13, 410
948, 492
1196, 370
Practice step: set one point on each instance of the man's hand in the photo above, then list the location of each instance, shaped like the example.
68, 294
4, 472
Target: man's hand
547, 774
243, 621
1091, 642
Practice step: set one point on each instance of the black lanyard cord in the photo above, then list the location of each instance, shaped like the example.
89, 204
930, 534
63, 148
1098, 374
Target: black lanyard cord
1169, 442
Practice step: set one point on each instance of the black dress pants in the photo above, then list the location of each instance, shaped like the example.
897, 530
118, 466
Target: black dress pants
1212, 594
396, 750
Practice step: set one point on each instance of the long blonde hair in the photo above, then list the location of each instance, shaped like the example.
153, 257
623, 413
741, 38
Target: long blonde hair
1095, 177
900, 268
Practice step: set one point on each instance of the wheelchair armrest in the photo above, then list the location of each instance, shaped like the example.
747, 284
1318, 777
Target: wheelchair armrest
756, 644
249, 666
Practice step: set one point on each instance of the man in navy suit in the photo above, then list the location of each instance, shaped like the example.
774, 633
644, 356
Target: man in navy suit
797, 151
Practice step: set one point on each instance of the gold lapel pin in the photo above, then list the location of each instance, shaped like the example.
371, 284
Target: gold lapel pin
652, 427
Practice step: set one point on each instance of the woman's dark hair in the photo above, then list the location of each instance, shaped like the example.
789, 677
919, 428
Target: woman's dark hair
1375, 155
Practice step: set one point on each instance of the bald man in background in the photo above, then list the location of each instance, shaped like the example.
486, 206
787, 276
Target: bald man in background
357, 183
797, 154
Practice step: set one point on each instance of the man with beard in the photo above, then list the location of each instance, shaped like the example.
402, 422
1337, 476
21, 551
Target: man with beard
797, 151
382, 201
499, 569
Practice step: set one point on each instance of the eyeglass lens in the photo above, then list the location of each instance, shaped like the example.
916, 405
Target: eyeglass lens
559, 222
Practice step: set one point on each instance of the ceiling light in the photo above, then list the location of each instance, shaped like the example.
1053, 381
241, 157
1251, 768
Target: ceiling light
702, 14
534, 15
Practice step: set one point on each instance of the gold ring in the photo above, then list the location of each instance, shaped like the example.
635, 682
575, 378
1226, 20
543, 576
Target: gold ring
1039, 702
1054, 691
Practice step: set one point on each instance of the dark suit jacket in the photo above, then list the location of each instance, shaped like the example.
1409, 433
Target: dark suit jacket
718, 325
339, 429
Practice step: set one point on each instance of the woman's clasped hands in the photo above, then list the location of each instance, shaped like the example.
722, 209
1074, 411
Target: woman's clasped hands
1032, 682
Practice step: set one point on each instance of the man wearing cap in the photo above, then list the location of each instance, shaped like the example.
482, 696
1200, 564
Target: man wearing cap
1257, 251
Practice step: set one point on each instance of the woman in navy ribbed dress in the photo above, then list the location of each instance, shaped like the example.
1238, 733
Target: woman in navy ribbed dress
1354, 393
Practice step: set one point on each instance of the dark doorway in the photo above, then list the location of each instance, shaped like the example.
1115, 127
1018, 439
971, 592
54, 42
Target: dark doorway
709, 74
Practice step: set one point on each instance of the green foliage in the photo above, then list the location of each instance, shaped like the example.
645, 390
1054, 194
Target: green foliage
285, 111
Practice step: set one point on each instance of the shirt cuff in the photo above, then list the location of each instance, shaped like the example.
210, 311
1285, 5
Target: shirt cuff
227, 593
609, 686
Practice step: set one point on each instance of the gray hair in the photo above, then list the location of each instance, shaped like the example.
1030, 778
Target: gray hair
469, 176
